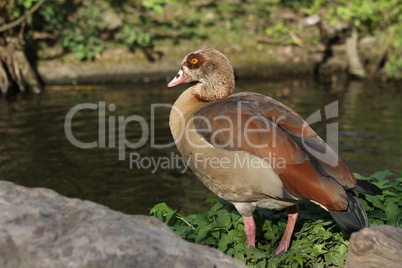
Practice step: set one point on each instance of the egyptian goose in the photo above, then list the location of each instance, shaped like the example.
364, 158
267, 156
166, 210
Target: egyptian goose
253, 151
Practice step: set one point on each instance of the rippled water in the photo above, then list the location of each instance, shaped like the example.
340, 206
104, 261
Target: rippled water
35, 152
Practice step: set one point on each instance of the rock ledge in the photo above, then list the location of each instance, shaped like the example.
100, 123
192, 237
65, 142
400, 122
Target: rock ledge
40, 228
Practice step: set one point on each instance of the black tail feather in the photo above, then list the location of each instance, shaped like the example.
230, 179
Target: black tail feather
366, 188
354, 218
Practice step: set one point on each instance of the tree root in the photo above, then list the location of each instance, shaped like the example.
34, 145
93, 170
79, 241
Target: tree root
15, 68
355, 66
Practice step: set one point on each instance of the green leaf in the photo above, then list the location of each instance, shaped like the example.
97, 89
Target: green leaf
202, 233
299, 259
216, 234
169, 215
28, 4
375, 200
224, 242
80, 54
380, 175
334, 258
160, 207
158, 9
392, 211
209, 240
342, 249
378, 215
201, 220
389, 193
318, 250
224, 220
218, 205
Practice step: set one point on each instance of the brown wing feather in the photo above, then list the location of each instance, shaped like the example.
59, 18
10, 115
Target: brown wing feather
266, 128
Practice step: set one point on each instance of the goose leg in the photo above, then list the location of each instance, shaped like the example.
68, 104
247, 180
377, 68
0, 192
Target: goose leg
293, 212
249, 229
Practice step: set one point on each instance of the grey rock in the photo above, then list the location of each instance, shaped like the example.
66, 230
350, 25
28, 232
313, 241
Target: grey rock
40, 228
379, 246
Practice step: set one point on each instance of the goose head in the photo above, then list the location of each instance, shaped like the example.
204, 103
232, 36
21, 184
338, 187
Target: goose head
213, 72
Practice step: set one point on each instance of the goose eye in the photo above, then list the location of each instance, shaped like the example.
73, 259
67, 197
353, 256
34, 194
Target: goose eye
194, 61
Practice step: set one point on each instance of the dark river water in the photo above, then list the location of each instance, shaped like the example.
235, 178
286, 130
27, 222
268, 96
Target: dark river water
89, 160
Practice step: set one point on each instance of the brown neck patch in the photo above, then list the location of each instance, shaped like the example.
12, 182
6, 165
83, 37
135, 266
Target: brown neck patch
194, 61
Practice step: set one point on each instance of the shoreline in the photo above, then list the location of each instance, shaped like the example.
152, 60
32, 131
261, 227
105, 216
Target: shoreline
119, 65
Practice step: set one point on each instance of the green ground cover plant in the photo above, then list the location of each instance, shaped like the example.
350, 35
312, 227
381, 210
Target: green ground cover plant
317, 240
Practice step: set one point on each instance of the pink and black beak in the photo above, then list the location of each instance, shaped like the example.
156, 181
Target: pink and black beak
179, 79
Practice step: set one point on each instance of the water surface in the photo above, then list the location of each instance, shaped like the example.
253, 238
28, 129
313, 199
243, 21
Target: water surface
35, 152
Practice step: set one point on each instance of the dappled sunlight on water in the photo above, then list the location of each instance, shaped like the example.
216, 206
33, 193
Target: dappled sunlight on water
35, 152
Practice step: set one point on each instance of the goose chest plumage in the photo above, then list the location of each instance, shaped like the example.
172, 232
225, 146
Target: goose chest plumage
254, 151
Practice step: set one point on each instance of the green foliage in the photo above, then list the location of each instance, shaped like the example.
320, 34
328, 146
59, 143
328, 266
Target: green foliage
81, 34
370, 17
385, 208
49, 17
157, 5
14, 9
317, 240
393, 66
82, 26
133, 38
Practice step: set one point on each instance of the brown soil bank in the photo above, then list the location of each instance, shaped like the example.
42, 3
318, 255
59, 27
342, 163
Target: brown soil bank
119, 65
